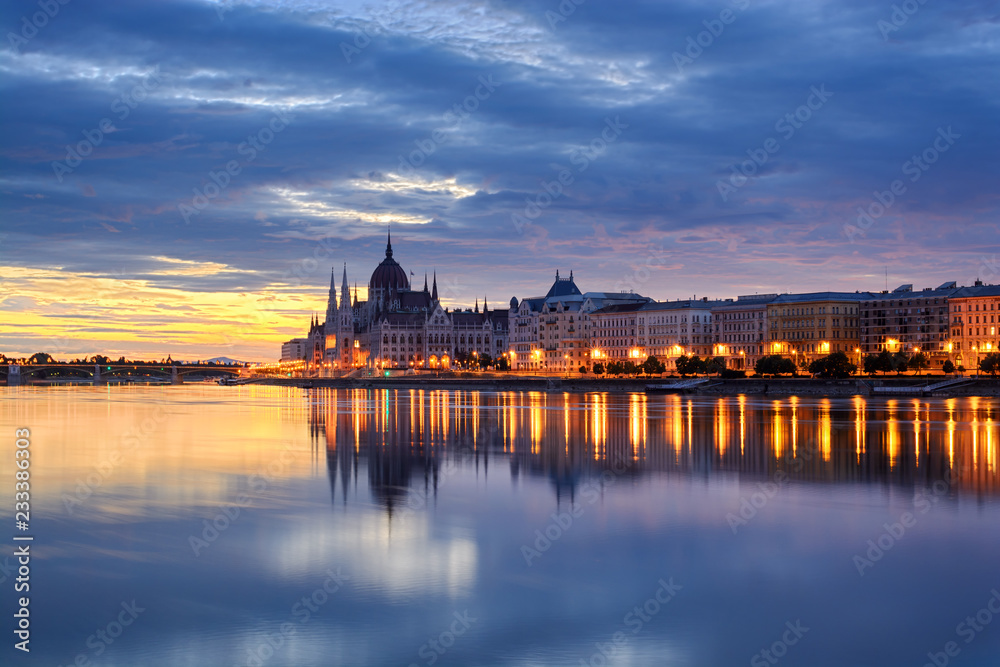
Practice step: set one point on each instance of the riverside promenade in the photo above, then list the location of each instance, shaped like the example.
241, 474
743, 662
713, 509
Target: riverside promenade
889, 386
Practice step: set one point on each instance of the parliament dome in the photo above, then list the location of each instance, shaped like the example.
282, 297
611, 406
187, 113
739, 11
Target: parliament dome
388, 274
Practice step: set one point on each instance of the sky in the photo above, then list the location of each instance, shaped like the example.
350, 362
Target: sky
181, 177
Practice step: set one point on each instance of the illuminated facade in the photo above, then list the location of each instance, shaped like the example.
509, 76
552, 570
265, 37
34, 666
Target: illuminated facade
975, 323
740, 329
908, 321
806, 327
663, 329
553, 333
398, 327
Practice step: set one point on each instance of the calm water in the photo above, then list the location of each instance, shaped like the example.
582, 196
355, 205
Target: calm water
504, 528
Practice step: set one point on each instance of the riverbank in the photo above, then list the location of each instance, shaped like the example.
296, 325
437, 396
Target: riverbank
892, 387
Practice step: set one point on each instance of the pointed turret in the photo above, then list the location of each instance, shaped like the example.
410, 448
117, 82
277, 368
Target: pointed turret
485, 307
331, 299
477, 305
434, 290
425, 282
345, 299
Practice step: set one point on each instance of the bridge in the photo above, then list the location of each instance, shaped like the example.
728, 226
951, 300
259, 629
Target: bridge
106, 373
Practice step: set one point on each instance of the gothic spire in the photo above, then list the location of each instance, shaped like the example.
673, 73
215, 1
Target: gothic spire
425, 281
477, 304
434, 290
344, 294
388, 244
331, 301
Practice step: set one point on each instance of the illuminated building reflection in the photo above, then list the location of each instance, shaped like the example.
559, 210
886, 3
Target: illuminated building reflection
400, 440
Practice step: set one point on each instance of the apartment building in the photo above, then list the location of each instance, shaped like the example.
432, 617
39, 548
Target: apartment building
974, 323
740, 329
809, 326
909, 321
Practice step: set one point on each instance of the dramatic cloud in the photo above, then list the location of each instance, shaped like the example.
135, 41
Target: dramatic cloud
180, 177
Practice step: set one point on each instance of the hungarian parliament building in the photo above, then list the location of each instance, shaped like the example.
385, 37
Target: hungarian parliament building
396, 327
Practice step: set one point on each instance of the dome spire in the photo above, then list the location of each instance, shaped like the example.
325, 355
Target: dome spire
388, 243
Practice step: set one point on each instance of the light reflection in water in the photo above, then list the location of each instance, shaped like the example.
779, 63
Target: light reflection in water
657, 434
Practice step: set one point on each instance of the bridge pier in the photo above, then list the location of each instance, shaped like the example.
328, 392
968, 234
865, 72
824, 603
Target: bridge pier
13, 375
97, 376
175, 377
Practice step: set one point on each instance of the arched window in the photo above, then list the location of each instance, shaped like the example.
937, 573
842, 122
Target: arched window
385, 340
393, 339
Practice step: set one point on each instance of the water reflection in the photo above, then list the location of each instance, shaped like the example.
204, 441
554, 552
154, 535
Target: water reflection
405, 436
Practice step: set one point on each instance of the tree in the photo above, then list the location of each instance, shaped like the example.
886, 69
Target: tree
919, 361
682, 364
598, 368
774, 364
41, 358
900, 363
503, 364
485, 361
836, 365
630, 368
871, 364
715, 365
653, 366
615, 368
885, 362
583, 370
692, 365
948, 367
990, 363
